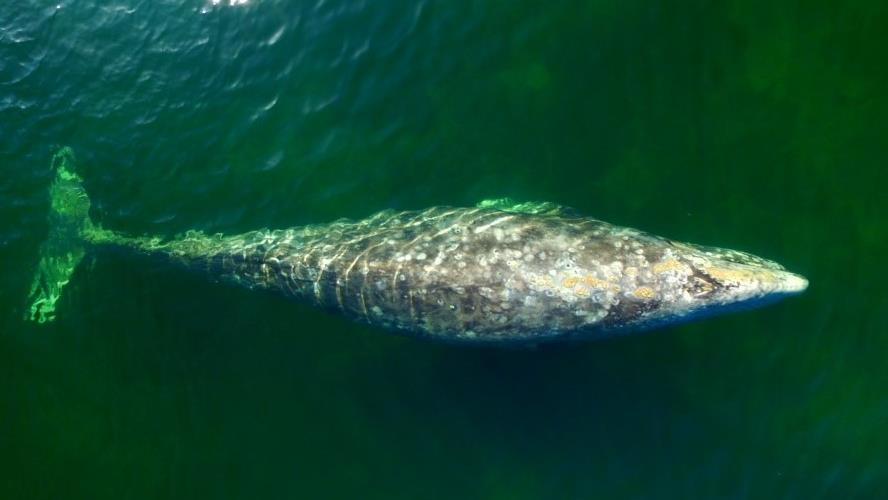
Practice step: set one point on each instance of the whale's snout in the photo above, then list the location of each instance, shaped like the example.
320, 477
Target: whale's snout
791, 283
744, 281
722, 280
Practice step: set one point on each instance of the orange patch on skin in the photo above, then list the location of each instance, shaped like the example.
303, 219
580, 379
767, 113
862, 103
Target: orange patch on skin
569, 282
668, 265
734, 275
643, 292
594, 282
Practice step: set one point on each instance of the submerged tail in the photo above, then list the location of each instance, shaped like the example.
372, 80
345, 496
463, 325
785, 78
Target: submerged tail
64, 246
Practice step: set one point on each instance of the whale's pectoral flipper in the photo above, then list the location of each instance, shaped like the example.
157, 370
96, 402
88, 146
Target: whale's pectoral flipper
64, 247
527, 207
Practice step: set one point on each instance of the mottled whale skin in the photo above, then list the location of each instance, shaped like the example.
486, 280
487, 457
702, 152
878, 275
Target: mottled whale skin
500, 272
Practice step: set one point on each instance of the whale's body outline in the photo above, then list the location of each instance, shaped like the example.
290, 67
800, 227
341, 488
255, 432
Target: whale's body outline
498, 273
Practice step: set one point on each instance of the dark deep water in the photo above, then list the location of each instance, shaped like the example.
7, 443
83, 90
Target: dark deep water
759, 126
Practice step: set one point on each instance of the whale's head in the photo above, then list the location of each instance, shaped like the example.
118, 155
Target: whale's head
680, 282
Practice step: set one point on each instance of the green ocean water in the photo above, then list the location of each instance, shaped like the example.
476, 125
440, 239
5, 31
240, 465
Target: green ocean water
759, 126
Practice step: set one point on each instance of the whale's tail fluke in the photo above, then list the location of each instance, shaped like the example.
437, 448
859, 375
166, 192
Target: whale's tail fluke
64, 245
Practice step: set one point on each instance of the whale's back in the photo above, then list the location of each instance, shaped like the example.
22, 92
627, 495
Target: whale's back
458, 274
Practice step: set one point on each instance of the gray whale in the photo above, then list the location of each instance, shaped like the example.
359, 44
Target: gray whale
499, 272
